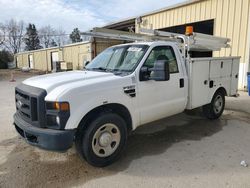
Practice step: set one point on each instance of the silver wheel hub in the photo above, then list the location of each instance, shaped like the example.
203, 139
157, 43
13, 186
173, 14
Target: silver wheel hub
218, 104
106, 140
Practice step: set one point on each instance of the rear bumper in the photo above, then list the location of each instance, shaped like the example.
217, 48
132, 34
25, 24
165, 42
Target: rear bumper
49, 139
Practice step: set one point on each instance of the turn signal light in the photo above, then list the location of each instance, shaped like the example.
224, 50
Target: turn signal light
61, 106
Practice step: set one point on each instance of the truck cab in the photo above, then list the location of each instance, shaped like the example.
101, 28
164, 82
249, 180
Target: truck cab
122, 88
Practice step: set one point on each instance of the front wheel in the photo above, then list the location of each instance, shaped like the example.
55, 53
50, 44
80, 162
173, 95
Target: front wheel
103, 140
216, 107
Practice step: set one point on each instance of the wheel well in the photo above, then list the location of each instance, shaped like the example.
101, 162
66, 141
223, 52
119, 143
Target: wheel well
222, 89
113, 107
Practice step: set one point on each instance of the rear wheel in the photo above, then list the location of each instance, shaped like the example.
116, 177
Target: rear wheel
216, 107
103, 140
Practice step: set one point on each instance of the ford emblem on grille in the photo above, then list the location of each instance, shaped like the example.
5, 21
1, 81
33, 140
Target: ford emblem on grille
19, 104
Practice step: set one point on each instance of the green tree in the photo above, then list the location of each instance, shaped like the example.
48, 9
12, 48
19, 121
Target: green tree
31, 38
5, 58
75, 36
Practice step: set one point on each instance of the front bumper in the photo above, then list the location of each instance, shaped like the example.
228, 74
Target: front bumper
50, 139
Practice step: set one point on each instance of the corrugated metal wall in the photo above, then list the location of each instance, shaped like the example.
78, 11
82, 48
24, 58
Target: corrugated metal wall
41, 59
75, 54
231, 19
102, 44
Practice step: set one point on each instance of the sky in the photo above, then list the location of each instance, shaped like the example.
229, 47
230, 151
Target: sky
84, 14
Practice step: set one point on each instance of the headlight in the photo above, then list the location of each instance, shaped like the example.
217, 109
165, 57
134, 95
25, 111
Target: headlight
58, 120
57, 114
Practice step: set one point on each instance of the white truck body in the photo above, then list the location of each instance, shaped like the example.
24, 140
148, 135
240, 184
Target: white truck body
87, 90
126, 86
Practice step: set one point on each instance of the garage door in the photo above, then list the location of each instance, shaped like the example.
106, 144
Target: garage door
31, 63
54, 59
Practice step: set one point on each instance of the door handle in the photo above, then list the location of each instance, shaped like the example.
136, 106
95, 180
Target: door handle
181, 82
211, 84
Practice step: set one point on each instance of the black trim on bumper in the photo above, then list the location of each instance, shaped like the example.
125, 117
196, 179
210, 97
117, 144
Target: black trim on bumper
50, 139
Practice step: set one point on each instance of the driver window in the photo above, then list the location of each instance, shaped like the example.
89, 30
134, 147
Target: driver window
163, 53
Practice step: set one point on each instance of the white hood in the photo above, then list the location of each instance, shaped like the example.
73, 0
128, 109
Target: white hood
51, 81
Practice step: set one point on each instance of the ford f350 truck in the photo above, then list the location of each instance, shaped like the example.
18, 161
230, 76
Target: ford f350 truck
124, 87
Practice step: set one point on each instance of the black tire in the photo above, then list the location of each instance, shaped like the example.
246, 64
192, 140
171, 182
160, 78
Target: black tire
210, 110
84, 139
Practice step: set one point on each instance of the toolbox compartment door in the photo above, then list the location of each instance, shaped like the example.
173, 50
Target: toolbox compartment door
206, 75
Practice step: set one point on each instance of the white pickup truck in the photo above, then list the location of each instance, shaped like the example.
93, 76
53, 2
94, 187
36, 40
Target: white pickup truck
124, 87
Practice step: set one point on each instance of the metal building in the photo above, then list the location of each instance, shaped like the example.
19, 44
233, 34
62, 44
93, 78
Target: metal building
73, 55
226, 18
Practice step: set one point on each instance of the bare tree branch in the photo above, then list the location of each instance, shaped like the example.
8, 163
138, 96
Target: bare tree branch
46, 34
12, 32
2, 34
60, 37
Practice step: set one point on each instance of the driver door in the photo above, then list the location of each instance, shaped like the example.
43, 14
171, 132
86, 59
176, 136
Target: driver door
159, 99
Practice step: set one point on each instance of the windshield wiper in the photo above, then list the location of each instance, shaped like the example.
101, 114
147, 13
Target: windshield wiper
115, 71
98, 68
101, 69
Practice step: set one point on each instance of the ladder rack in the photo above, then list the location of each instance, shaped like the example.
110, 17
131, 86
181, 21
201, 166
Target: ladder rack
194, 42
122, 35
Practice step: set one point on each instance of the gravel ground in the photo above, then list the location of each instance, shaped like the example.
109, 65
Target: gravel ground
181, 151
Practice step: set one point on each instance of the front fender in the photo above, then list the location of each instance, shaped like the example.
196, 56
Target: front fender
78, 109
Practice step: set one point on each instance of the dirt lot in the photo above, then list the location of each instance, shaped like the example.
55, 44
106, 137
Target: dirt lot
182, 151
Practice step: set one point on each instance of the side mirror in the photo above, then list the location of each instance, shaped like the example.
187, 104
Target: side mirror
160, 72
144, 74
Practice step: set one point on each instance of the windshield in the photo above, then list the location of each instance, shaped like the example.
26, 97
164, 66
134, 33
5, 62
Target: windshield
119, 59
